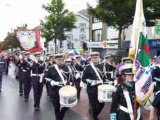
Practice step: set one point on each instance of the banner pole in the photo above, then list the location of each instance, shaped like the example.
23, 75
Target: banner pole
135, 108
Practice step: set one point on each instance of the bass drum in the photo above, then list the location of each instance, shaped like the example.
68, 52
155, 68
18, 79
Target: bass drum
68, 96
105, 93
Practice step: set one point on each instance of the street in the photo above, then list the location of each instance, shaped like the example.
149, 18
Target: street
13, 107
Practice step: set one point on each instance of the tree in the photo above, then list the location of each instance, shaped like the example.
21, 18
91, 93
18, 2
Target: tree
57, 22
120, 13
22, 27
11, 41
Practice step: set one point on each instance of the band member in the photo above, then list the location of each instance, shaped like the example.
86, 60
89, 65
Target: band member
109, 68
59, 75
20, 67
2, 70
93, 76
78, 69
25, 75
156, 100
125, 60
50, 62
123, 96
37, 70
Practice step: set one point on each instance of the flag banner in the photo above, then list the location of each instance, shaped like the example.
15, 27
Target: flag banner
139, 52
29, 40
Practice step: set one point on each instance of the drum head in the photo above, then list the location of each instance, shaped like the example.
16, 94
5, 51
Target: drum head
68, 91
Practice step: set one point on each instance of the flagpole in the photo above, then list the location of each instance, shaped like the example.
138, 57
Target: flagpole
135, 107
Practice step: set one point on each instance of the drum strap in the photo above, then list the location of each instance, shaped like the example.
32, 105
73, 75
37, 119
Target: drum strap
129, 105
95, 70
60, 74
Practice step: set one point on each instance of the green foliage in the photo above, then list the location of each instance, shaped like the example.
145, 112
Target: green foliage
11, 41
22, 27
120, 13
58, 21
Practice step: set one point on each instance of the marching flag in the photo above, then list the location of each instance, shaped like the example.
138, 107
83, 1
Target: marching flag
29, 40
139, 52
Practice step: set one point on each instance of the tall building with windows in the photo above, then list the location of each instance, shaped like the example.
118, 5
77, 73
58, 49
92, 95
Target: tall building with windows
77, 36
102, 38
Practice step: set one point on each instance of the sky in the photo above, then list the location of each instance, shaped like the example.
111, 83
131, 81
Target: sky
14, 13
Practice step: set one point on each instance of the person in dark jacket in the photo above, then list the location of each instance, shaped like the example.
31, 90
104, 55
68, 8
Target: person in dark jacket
93, 76
123, 96
57, 82
2, 69
37, 70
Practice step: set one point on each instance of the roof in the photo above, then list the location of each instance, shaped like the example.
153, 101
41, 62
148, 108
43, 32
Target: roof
37, 28
84, 12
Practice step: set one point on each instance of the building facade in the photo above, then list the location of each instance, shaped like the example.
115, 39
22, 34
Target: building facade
103, 39
77, 36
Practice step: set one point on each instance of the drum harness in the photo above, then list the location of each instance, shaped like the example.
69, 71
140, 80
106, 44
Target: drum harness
62, 74
80, 73
97, 73
129, 108
104, 70
77, 72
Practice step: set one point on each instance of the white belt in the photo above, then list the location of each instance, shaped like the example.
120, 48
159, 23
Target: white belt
131, 113
37, 74
111, 72
125, 109
40, 75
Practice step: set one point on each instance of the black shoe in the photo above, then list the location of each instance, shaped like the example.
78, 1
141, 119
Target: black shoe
36, 108
26, 99
20, 94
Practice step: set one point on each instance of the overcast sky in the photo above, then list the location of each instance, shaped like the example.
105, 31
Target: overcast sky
17, 12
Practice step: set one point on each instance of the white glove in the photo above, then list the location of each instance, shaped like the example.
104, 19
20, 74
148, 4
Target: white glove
77, 75
95, 82
41, 78
48, 79
53, 83
81, 84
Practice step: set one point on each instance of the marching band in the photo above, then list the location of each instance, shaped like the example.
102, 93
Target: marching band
66, 75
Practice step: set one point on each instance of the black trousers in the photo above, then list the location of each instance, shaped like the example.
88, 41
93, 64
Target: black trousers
78, 87
1, 77
26, 84
7, 69
47, 88
95, 106
37, 90
59, 112
20, 83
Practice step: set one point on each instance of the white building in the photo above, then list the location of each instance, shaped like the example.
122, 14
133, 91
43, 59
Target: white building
76, 36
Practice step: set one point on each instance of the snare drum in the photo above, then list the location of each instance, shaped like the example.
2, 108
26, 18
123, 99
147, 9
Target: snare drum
68, 96
105, 93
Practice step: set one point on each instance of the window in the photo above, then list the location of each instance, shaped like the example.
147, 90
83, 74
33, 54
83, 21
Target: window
69, 37
82, 27
70, 45
97, 35
95, 20
82, 37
